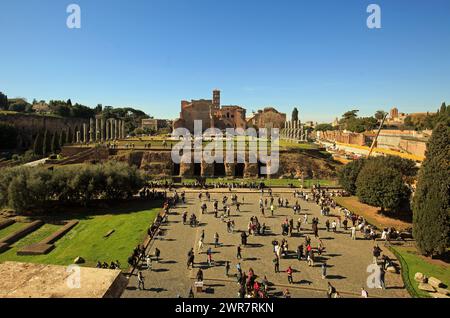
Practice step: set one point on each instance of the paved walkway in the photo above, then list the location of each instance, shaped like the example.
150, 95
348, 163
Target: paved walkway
347, 259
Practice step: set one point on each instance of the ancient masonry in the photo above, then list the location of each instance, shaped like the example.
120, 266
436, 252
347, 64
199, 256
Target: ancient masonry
293, 131
100, 130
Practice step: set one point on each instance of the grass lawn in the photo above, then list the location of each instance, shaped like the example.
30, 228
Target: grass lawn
417, 263
295, 145
371, 214
10, 229
86, 239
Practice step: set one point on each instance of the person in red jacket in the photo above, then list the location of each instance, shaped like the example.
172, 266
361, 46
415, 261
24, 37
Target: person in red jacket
289, 272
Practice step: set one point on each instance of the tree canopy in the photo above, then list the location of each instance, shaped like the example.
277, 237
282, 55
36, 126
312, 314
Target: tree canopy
431, 203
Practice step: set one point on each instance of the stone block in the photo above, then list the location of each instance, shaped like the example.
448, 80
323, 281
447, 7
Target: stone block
433, 281
420, 278
443, 291
438, 295
36, 249
427, 287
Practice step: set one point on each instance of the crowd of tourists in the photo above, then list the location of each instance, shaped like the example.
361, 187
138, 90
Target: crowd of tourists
336, 220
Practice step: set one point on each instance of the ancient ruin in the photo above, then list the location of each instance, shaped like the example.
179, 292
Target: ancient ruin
211, 113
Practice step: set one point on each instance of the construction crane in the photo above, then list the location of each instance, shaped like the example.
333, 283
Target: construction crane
374, 142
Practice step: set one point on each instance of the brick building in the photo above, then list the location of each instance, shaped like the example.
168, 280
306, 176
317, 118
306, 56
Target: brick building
211, 113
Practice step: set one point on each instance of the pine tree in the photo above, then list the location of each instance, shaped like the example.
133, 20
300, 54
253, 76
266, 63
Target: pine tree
55, 143
431, 204
69, 136
62, 138
46, 143
38, 144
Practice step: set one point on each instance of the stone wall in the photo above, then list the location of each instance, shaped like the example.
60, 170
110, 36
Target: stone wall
343, 137
268, 118
29, 125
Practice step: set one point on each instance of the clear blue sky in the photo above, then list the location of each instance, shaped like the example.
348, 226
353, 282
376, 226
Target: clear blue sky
318, 55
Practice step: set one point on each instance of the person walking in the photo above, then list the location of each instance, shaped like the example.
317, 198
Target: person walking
216, 240
310, 258
376, 253
200, 245
364, 293
157, 254
209, 256
141, 281
381, 278
331, 291
238, 254
200, 275
353, 233
276, 263
289, 272
227, 268
149, 262
324, 270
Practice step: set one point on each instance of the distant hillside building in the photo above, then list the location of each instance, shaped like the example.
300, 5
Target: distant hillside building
211, 113
155, 124
269, 117
396, 118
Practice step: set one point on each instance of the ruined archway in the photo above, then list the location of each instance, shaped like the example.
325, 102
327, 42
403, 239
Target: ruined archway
239, 170
176, 169
219, 169
260, 166
197, 169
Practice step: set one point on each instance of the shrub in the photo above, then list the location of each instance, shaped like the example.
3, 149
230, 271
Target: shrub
381, 186
349, 173
25, 189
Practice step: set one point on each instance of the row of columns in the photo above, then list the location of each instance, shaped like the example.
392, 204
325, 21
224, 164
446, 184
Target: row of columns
294, 130
100, 130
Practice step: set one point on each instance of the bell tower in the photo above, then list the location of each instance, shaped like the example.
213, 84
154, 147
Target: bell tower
216, 99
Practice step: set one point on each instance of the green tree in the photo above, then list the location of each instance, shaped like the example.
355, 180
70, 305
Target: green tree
38, 145
55, 143
323, 127
350, 114
431, 203
69, 137
3, 101
443, 109
46, 143
295, 114
62, 138
349, 174
8, 136
381, 186
379, 115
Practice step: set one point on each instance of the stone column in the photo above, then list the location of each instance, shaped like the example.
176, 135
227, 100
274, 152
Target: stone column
97, 129
123, 130
84, 133
77, 134
91, 130
107, 129
112, 137
102, 129
116, 129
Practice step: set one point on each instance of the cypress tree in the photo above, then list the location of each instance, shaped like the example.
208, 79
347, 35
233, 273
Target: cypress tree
62, 138
38, 144
55, 143
431, 204
69, 136
46, 143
